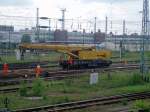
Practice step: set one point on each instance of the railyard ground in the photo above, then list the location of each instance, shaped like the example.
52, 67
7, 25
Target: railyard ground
75, 89
120, 107
79, 88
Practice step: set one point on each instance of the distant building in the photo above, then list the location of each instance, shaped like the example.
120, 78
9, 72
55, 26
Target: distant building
60, 35
6, 28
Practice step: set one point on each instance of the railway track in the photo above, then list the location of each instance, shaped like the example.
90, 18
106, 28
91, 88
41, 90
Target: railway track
22, 69
10, 90
30, 65
88, 103
31, 72
56, 76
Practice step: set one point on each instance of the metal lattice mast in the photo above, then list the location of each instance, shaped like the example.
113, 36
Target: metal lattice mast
145, 32
95, 25
63, 18
124, 27
145, 18
37, 25
106, 25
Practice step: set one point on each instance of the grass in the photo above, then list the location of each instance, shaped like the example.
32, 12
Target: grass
142, 105
130, 56
80, 89
53, 56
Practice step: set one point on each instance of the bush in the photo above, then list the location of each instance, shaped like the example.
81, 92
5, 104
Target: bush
66, 99
23, 89
136, 79
38, 87
142, 105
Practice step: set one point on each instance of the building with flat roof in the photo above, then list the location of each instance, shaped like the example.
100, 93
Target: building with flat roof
6, 28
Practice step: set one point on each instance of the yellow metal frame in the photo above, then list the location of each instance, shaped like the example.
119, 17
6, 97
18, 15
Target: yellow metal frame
84, 52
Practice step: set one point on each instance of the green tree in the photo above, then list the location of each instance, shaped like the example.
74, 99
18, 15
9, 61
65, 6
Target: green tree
26, 38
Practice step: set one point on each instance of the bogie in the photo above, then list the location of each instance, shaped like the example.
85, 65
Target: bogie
85, 64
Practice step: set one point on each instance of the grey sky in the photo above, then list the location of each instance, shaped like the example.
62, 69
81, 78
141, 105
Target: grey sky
15, 2
76, 9
108, 1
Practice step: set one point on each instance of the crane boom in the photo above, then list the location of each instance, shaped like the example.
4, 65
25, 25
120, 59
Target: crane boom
66, 49
54, 47
81, 56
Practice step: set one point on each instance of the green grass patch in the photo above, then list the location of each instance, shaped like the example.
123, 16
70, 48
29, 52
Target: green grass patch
130, 56
142, 105
52, 56
62, 91
55, 56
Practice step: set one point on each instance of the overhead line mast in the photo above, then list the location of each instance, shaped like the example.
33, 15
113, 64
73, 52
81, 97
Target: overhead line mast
145, 17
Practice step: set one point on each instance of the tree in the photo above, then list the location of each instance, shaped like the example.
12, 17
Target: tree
26, 38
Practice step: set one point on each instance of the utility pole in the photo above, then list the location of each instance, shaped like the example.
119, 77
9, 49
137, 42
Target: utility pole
124, 27
49, 28
83, 36
63, 18
106, 25
145, 21
122, 41
111, 25
145, 17
142, 65
120, 50
37, 24
9, 38
95, 25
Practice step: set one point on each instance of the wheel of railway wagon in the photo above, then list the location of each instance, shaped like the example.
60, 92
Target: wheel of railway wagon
64, 67
45, 74
83, 66
107, 63
70, 67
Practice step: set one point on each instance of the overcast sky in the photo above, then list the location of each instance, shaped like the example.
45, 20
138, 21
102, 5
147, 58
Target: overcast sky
83, 9
117, 9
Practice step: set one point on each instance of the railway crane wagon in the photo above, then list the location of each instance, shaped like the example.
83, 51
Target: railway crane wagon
78, 57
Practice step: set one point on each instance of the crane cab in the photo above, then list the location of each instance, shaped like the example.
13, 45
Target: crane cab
87, 59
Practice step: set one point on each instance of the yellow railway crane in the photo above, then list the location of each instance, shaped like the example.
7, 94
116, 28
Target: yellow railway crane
78, 56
